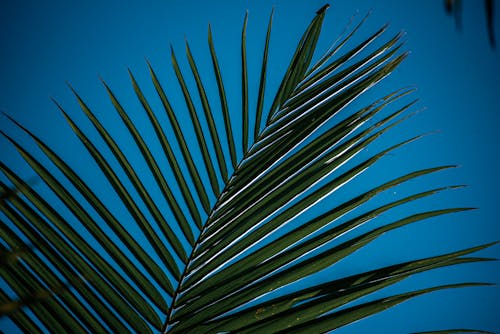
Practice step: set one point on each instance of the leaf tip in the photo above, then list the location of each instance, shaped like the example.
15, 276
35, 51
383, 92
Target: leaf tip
323, 9
55, 102
458, 186
70, 87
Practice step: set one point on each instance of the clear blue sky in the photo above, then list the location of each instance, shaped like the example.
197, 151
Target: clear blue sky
44, 44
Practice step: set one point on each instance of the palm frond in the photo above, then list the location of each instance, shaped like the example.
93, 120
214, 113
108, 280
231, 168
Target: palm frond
194, 266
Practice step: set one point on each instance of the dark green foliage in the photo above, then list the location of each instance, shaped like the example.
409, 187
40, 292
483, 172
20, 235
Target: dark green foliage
199, 276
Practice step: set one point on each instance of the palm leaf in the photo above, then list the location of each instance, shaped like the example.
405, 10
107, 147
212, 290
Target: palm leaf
213, 265
244, 86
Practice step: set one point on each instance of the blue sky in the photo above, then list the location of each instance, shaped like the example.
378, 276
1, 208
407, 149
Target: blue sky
46, 44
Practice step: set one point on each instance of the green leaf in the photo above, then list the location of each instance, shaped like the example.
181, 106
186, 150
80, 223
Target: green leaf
179, 177
160, 180
310, 154
262, 82
244, 86
126, 292
349, 315
50, 312
299, 64
53, 253
223, 99
83, 270
195, 176
246, 267
36, 294
149, 264
208, 115
259, 213
130, 204
293, 272
93, 227
197, 127
301, 306
20, 318
64, 293
318, 73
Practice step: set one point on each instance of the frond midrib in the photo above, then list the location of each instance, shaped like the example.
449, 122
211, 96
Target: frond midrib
200, 236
